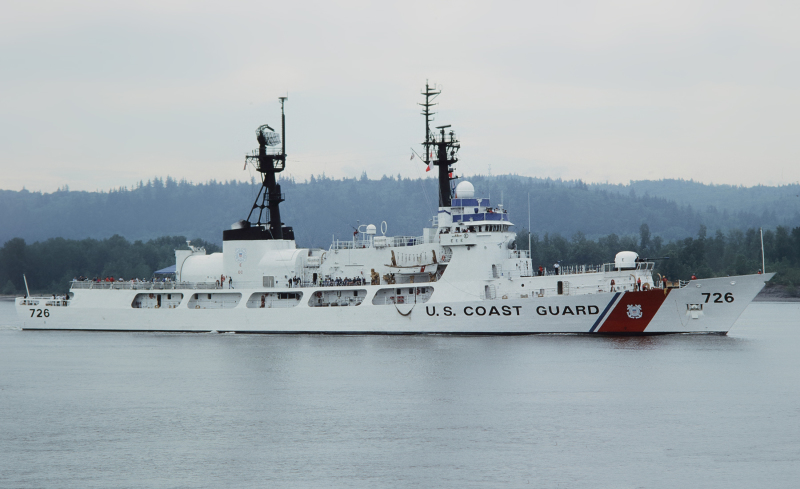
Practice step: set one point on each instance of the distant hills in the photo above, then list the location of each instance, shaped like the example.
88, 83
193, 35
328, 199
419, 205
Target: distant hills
323, 207
723, 205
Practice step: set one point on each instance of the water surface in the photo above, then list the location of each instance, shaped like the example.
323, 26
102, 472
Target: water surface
82, 409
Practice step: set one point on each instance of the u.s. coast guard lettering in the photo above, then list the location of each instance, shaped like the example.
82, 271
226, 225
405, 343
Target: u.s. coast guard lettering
567, 310
477, 311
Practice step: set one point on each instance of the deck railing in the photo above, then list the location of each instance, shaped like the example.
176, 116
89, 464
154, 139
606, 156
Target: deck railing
145, 285
392, 241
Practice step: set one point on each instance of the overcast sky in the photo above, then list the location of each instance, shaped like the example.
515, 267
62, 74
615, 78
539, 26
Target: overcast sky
96, 95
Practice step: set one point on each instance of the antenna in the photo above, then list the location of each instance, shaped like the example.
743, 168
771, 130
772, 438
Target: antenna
430, 94
283, 124
763, 263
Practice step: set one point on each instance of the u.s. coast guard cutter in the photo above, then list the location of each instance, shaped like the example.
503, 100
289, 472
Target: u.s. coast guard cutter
461, 276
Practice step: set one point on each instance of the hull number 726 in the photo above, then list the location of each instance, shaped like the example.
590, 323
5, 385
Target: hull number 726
718, 297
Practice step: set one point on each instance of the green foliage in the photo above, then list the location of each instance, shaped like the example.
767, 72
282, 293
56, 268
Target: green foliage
49, 265
734, 253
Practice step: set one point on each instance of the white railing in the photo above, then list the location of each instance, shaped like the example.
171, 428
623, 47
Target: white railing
145, 285
515, 254
349, 282
391, 241
642, 265
579, 269
352, 244
48, 302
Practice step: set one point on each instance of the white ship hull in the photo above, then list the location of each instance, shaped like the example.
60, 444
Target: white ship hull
703, 306
462, 276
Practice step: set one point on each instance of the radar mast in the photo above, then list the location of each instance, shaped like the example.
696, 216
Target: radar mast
446, 149
429, 94
270, 160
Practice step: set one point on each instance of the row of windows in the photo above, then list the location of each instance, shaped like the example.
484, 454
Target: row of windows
486, 228
268, 300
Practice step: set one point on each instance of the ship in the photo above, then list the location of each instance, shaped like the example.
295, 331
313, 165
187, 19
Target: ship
463, 275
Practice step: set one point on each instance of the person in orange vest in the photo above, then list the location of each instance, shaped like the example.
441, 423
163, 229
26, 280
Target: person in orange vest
664, 282
639, 284
694, 277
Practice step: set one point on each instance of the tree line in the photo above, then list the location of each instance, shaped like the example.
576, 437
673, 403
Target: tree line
735, 252
50, 264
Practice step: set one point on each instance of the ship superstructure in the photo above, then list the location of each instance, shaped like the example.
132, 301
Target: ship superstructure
462, 275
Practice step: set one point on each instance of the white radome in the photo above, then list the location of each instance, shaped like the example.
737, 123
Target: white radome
465, 190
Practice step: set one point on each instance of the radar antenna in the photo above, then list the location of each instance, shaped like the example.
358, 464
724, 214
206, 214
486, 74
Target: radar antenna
270, 161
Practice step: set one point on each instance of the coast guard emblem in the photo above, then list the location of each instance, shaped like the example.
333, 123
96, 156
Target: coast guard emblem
241, 254
634, 311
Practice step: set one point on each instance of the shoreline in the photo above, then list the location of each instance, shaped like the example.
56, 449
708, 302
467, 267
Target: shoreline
776, 293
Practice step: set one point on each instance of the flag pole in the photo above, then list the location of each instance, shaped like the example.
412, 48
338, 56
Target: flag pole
530, 256
763, 263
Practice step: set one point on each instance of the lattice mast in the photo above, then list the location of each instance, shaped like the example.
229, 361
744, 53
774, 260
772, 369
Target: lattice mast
446, 150
429, 94
270, 161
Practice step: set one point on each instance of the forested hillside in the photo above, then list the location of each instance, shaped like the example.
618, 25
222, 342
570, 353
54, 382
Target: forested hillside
725, 206
323, 207
51, 264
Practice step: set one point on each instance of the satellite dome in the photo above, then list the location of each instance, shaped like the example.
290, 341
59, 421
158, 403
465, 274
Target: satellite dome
371, 229
465, 190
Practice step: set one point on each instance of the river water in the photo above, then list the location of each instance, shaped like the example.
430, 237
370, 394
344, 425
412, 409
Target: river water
220, 410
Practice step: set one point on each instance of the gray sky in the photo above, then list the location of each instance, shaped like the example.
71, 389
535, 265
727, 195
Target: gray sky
97, 95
